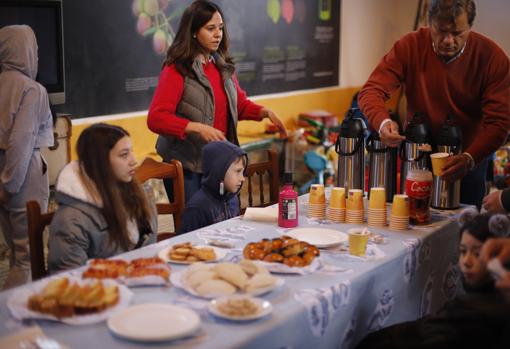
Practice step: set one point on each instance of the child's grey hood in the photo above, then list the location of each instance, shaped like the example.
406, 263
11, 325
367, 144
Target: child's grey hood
18, 50
216, 159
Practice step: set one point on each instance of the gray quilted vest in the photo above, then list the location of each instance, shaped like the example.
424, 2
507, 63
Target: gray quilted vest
197, 104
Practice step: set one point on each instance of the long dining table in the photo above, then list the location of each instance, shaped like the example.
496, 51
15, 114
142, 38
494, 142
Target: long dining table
404, 275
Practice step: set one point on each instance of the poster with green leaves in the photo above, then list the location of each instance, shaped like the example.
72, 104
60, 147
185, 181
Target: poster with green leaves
114, 49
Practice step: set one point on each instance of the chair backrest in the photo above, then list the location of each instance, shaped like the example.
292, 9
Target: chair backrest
258, 169
152, 169
37, 221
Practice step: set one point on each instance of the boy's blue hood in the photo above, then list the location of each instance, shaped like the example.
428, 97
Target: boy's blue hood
216, 159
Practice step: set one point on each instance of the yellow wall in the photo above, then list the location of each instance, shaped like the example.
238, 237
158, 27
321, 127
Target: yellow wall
288, 107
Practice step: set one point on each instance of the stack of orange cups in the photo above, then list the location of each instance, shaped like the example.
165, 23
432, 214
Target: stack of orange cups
399, 219
336, 209
354, 206
317, 202
377, 207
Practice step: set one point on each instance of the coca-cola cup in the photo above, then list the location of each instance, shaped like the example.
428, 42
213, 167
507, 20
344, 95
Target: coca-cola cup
419, 191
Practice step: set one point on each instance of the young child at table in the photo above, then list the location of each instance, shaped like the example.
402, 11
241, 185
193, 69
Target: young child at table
477, 319
223, 165
102, 209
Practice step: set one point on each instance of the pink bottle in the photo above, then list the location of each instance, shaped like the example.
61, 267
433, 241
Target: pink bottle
288, 204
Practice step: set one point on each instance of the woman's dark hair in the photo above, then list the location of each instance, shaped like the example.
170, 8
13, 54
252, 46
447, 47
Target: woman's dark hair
120, 201
185, 47
449, 10
486, 225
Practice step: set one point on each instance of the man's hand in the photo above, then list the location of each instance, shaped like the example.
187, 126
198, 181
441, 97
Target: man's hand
492, 202
208, 133
389, 134
268, 113
456, 167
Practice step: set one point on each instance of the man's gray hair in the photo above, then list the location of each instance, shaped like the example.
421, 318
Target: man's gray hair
449, 10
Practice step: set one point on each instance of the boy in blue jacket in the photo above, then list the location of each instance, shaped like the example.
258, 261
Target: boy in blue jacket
223, 165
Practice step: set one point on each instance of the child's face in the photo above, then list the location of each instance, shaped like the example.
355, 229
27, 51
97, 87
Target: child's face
474, 270
122, 160
234, 177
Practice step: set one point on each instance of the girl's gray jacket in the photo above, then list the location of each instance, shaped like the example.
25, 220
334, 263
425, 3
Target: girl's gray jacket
78, 230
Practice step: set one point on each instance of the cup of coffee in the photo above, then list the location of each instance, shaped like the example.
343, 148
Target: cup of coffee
438, 162
358, 240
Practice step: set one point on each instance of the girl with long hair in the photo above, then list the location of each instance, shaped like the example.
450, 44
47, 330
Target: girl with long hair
102, 209
198, 99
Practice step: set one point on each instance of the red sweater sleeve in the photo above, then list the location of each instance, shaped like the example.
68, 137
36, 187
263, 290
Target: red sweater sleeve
162, 118
246, 109
384, 80
495, 124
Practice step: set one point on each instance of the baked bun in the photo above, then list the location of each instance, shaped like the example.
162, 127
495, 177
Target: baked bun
193, 280
232, 273
215, 288
260, 281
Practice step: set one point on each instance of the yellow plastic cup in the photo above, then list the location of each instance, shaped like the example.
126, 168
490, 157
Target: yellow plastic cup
358, 239
337, 198
355, 199
317, 195
438, 162
377, 198
400, 205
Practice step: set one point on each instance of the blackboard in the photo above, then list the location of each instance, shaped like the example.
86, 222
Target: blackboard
278, 46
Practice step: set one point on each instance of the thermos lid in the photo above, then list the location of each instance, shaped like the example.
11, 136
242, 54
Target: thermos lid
449, 134
352, 127
417, 130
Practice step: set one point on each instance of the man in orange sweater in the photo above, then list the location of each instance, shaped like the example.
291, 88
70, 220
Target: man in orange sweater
447, 68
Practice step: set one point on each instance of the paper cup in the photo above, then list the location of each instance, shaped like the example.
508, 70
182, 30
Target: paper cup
377, 198
337, 198
317, 195
438, 162
358, 239
400, 205
355, 199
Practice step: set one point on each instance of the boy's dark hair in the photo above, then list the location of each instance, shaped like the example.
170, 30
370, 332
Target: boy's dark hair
486, 225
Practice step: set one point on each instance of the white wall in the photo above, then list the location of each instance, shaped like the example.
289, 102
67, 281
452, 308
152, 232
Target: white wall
493, 19
370, 27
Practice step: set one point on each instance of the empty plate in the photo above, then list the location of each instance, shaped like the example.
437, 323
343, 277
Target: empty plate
319, 237
154, 322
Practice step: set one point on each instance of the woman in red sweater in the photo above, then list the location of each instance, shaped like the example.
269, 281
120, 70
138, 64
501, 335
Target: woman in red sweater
198, 98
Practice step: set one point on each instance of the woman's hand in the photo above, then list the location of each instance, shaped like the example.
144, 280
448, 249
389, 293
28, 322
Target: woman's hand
208, 133
268, 113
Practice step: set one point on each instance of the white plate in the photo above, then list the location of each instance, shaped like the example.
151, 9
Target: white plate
17, 303
176, 279
264, 308
319, 237
152, 322
220, 254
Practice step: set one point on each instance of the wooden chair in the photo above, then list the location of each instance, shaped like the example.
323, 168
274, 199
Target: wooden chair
270, 167
37, 221
152, 169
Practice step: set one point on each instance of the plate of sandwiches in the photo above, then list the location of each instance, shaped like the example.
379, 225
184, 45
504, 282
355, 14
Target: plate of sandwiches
226, 279
70, 300
187, 253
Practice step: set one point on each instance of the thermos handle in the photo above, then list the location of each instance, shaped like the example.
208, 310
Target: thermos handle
370, 146
404, 158
354, 151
